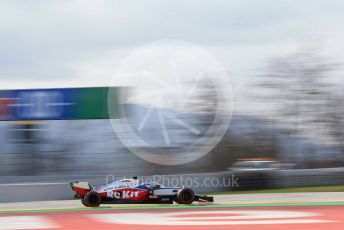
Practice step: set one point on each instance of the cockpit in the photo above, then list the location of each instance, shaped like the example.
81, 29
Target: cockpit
152, 185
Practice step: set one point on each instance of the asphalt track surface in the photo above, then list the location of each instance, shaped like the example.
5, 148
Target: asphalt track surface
254, 211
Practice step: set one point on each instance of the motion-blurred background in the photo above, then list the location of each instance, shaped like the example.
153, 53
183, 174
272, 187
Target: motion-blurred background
285, 60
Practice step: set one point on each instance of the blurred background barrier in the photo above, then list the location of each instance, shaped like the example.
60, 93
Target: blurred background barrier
308, 177
91, 147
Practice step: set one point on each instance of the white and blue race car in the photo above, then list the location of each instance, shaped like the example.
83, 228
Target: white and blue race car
128, 191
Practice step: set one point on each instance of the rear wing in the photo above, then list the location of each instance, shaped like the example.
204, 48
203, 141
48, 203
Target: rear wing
80, 188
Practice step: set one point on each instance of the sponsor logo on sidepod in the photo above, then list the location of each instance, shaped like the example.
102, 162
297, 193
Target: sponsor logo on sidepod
125, 194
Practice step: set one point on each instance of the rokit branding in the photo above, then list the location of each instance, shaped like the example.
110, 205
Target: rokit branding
124, 194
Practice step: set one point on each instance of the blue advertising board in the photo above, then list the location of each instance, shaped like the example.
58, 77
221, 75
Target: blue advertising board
54, 104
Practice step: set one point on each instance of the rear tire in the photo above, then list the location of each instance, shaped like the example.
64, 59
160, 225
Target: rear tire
92, 199
185, 196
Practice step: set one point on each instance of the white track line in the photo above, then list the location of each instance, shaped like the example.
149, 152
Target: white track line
26, 222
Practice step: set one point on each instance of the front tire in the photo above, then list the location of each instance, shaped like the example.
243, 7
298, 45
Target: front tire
185, 196
92, 199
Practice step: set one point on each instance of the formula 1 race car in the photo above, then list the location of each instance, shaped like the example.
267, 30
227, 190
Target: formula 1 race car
129, 191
